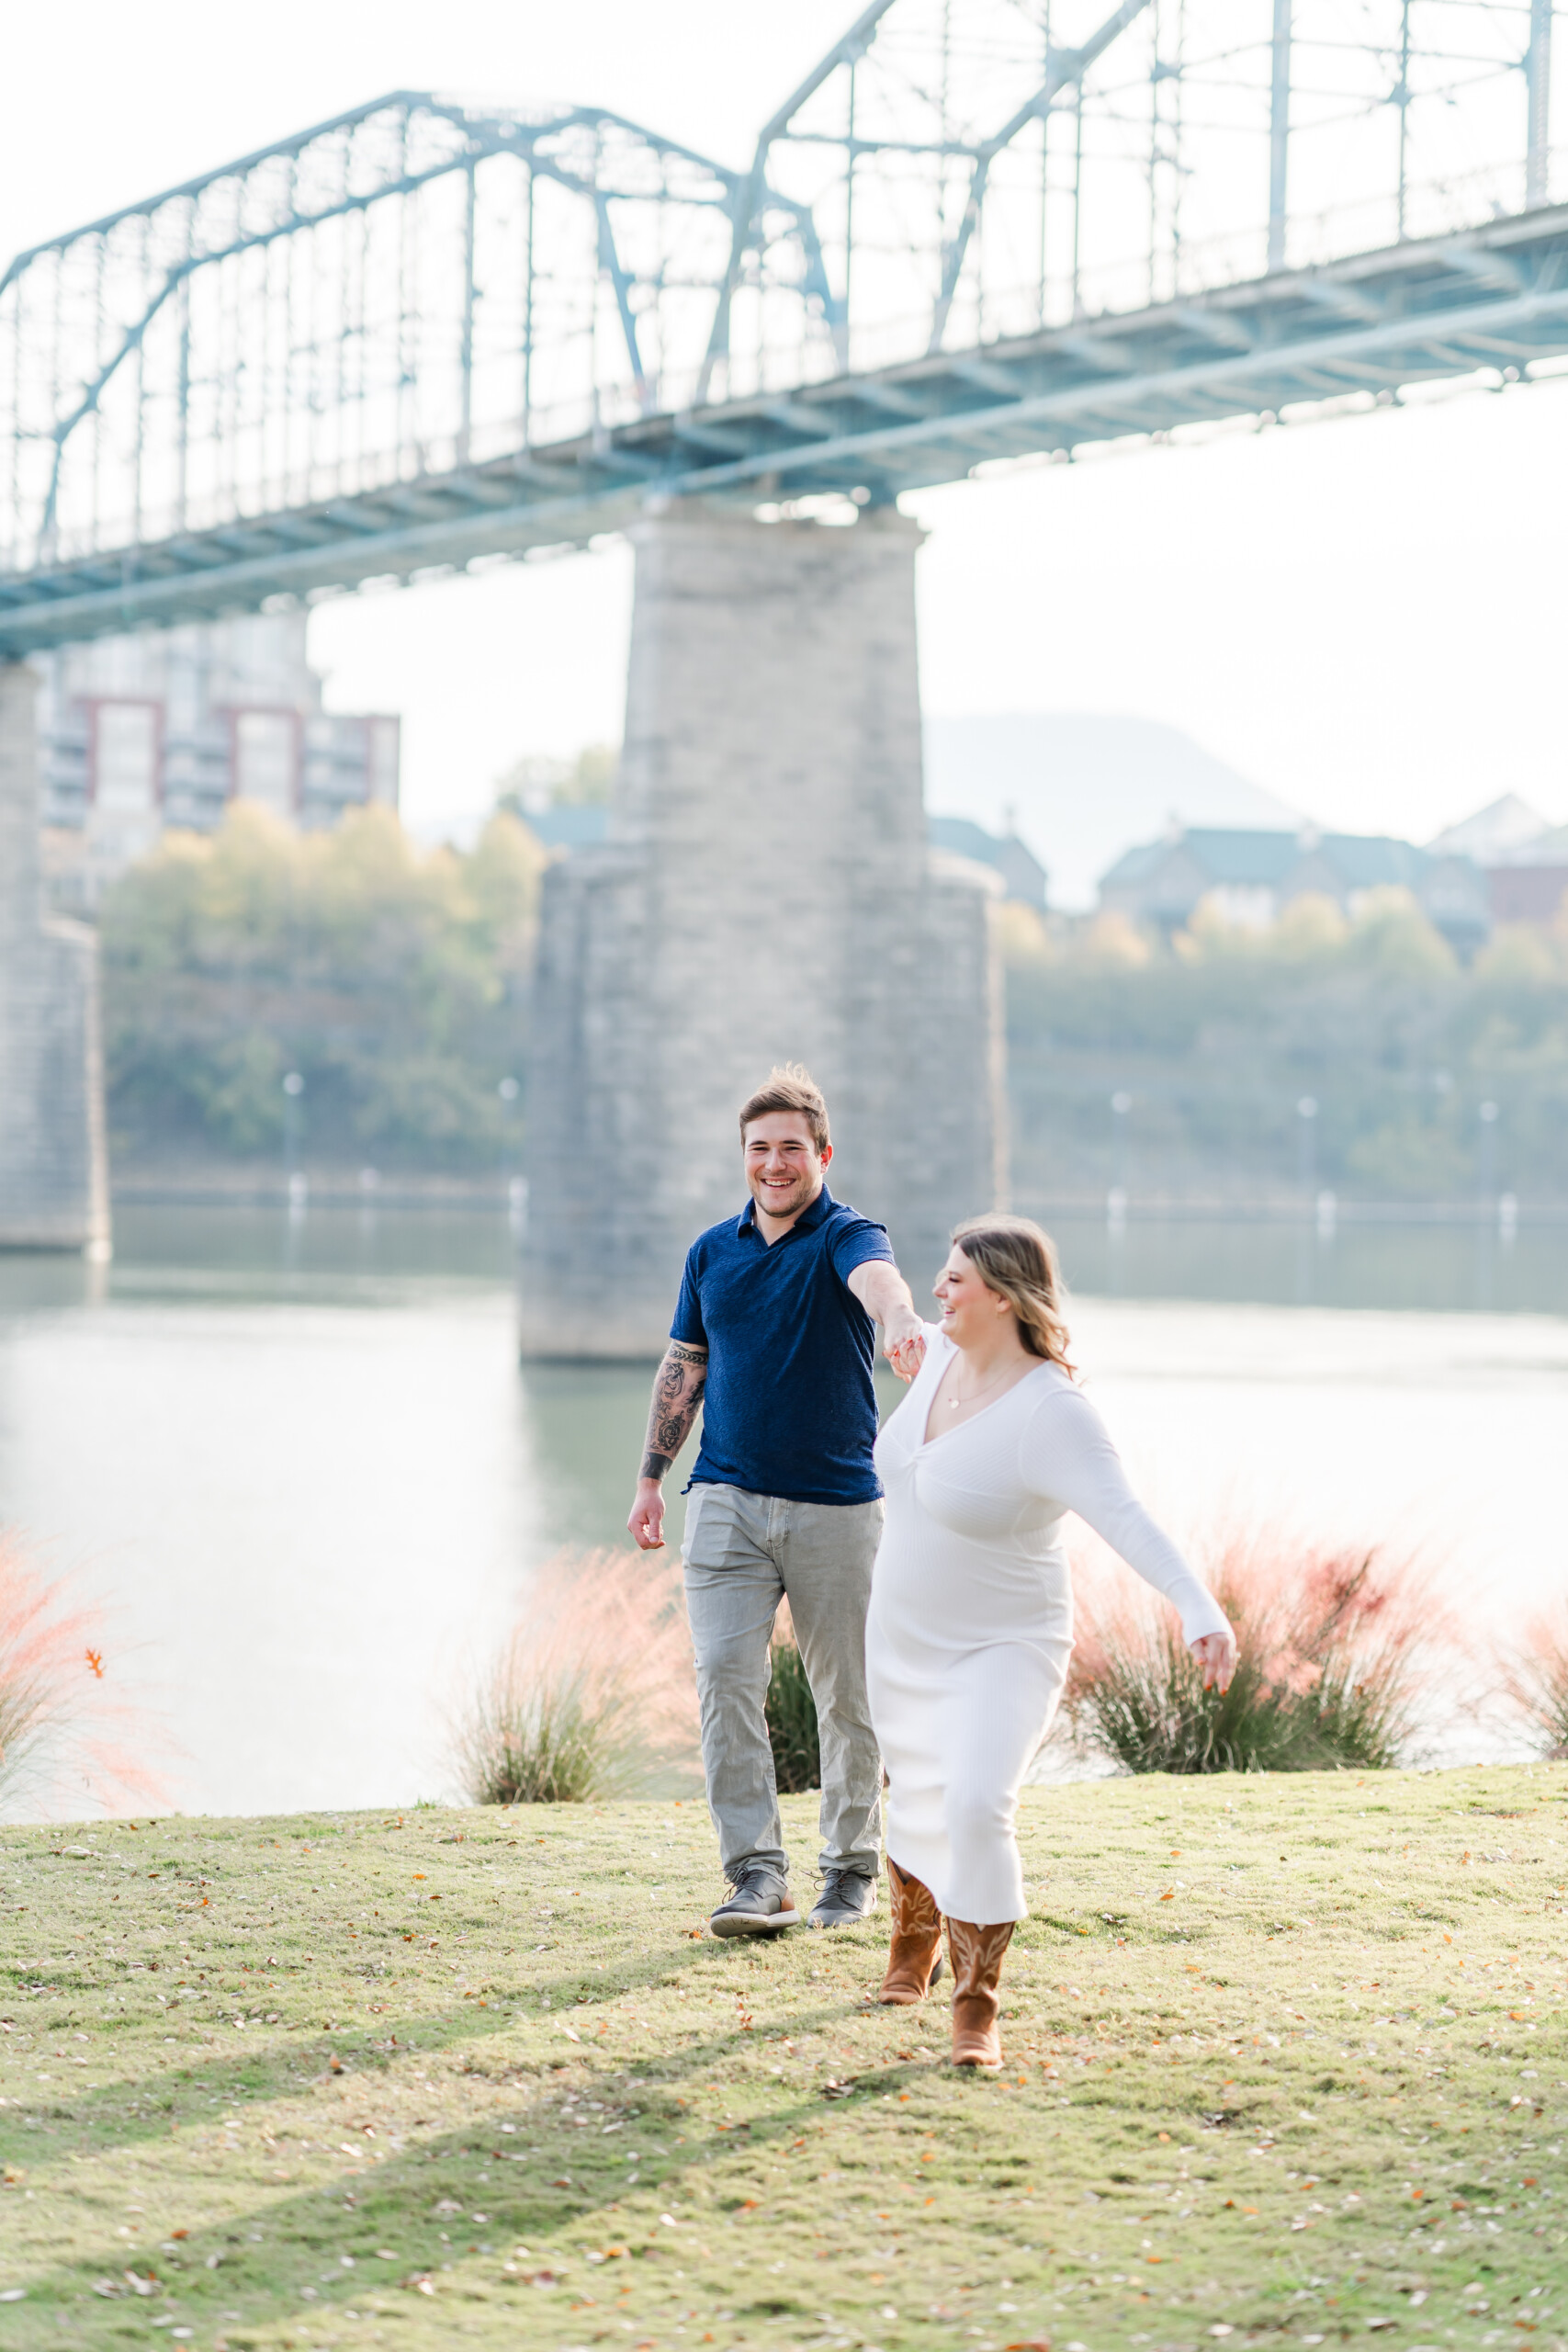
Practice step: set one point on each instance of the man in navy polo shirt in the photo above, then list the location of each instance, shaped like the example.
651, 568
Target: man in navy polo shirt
775, 1338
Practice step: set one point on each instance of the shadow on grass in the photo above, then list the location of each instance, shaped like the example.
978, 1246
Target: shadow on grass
289, 2068
119, 2117
389, 2204
393, 2204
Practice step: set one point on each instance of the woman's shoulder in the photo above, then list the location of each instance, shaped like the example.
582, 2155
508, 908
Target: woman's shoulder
1049, 1394
1044, 1381
1059, 1420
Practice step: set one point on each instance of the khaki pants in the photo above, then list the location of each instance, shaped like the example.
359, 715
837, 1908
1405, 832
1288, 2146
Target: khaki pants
744, 1554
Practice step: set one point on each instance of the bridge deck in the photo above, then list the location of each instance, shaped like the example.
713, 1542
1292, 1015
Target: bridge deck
1491, 299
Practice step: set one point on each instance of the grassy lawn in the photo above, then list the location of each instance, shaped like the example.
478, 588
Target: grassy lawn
1287, 2060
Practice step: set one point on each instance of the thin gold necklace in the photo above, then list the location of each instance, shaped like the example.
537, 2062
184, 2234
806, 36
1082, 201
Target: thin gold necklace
954, 1401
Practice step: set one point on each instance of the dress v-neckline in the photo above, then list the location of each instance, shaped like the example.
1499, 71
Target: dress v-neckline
927, 1442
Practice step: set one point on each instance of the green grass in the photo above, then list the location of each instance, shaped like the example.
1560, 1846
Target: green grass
1287, 2059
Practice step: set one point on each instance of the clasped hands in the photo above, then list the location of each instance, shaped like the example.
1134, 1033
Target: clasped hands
904, 1344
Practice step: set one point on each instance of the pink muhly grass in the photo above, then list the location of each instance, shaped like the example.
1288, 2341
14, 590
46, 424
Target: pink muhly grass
1535, 1677
64, 1729
1337, 1644
592, 1694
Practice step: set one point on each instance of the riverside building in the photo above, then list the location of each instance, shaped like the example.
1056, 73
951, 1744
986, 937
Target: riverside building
137, 735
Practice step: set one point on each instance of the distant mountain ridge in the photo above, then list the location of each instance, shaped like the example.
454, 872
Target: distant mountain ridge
1507, 833
1081, 787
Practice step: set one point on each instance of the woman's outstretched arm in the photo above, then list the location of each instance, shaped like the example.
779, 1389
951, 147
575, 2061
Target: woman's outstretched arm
1065, 1454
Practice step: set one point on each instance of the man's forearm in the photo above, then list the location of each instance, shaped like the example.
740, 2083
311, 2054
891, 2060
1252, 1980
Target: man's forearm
882, 1290
884, 1295
677, 1393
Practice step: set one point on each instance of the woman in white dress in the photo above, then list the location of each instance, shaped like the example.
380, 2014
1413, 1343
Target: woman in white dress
971, 1618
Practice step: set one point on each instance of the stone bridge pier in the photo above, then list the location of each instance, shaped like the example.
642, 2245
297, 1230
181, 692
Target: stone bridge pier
53, 1183
766, 894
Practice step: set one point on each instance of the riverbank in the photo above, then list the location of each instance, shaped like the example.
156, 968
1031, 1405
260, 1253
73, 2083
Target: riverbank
1287, 2060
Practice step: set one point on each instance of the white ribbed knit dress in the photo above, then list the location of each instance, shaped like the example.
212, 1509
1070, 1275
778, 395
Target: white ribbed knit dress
971, 1618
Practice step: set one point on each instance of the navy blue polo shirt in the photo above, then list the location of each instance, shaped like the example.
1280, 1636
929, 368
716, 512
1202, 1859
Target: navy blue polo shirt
789, 1409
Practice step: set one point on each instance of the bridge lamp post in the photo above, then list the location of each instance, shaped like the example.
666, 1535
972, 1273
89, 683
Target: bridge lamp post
1538, 102
1487, 1155
509, 1091
1306, 1144
1278, 132
1116, 1199
293, 1130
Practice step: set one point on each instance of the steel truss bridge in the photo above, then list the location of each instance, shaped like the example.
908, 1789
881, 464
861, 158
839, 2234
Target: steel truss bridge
429, 333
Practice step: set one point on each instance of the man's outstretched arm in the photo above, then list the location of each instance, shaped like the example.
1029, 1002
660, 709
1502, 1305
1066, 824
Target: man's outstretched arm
677, 1392
884, 1295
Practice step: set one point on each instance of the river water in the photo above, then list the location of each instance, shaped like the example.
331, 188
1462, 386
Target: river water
297, 1462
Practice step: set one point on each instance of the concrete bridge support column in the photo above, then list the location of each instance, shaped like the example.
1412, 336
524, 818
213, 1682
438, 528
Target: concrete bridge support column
53, 1186
766, 895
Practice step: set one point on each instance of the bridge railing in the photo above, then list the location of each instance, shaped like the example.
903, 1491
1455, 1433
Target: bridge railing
421, 287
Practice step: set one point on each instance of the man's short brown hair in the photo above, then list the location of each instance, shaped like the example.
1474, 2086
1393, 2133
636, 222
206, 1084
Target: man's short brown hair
789, 1088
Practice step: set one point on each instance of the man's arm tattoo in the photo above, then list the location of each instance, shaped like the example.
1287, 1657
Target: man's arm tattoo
677, 1392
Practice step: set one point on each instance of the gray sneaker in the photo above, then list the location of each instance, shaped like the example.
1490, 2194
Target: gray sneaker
847, 1896
757, 1905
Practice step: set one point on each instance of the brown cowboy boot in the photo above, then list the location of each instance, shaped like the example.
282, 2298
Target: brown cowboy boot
914, 1957
976, 1954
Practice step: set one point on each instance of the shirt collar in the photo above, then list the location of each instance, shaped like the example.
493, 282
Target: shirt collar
803, 1223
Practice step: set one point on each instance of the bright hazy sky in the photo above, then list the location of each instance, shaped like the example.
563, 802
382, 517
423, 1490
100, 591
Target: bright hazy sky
1369, 616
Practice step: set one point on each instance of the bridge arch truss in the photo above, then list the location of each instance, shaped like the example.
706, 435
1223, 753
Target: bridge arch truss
429, 331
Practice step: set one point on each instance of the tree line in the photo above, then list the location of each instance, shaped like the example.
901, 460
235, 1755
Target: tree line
1356, 1057
394, 982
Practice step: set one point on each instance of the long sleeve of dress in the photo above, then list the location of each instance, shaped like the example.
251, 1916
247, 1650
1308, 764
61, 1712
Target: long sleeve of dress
1066, 1456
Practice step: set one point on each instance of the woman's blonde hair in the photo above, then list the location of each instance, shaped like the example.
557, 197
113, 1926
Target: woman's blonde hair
1017, 1259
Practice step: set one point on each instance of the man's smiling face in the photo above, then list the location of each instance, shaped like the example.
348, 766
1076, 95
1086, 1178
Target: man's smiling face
783, 1167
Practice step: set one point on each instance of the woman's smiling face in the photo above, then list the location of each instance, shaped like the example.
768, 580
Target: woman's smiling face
969, 1311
